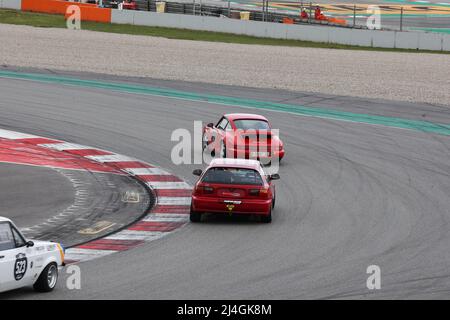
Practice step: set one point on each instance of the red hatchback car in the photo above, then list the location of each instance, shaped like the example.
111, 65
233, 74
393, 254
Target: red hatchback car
233, 186
243, 135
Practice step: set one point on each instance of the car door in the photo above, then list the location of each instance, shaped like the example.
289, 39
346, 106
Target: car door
14, 263
214, 135
222, 127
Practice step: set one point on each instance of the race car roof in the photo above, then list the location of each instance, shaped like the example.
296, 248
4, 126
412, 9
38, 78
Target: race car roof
3, 219
236, 116
236, 163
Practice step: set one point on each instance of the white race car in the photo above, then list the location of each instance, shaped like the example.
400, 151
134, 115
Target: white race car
25, 262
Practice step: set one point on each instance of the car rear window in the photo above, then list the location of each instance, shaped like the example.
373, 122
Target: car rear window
246, 124
233, 176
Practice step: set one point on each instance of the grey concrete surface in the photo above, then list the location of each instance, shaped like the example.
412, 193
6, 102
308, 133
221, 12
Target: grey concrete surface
55, 204
381, 75
350, 195
31, 194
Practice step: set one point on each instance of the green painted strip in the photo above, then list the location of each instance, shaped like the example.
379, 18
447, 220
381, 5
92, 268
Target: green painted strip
417, 125
437, 30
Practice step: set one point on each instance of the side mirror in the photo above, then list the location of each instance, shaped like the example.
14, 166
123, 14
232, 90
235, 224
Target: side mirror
29, 244
274, 176
210, 125
197, 172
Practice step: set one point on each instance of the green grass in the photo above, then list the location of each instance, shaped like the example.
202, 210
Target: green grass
57, 21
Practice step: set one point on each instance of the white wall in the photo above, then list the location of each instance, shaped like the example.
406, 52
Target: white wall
11, 4
359, 37
446, 42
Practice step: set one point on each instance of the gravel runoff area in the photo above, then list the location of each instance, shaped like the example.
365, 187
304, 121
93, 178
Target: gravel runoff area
414, 77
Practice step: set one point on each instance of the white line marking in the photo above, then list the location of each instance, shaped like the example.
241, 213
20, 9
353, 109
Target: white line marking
65, 146
146, 171
111, 158
79, 254
186, 212
168, 185
7, 134
174, 201
166, 217
137, 235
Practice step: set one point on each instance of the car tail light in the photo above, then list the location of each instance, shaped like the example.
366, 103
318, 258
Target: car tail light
207, 189
261, 192
200, 189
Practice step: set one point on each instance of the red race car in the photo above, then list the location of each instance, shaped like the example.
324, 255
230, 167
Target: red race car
241, 135
233, 186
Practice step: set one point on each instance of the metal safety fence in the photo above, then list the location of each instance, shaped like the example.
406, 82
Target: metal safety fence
391, 17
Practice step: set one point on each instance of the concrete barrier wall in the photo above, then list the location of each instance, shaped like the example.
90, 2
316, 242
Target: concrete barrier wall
327, 34
446, 42
11, 4
89, 12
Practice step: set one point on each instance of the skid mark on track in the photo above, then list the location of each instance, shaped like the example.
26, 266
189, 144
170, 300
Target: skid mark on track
169, 212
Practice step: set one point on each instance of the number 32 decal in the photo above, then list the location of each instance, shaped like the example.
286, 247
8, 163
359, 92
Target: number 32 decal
20, 267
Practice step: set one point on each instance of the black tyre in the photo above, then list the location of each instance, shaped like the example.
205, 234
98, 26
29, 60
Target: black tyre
48, 278
223, 150
194, 216
267, 218
204, 142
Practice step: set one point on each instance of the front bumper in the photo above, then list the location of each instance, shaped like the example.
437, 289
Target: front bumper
246, 154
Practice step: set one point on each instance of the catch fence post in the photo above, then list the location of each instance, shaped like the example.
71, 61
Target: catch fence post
354, 15
401, 19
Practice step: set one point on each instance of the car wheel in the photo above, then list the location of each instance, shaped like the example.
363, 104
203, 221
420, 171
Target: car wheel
48, 278
273, 202
204, 142
223, 152
267, 218
194, 216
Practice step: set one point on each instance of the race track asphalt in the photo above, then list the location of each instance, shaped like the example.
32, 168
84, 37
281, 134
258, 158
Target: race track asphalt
350, 195
31, 194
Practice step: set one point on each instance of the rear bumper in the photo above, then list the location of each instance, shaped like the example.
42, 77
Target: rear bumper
246, 154
216, 205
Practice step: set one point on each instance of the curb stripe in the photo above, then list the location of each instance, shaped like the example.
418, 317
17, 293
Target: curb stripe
78, 254
162, 217
87, 152
111, 158
168, 185
137, 235
175, 201
63, 146
14, 135
156, 226
166, 209
38, 141
159, 178
173, 192
168, 214
146, 171
110, 244
129, 164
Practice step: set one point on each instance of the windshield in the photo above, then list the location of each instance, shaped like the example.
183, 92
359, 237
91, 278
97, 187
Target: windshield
246, 124
233, 176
